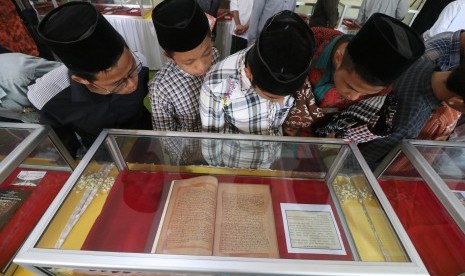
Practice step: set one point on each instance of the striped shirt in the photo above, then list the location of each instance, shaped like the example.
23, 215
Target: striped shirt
229, 103
174, 98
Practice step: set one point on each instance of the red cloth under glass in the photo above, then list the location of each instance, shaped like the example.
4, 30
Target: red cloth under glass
26, 217
136, 200
435, 235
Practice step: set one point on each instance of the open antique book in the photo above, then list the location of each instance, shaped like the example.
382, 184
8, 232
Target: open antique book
204, 217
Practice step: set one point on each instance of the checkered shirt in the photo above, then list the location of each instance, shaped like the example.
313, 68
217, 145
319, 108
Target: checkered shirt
229, 104
174, 98
415, 103
444, 50
241, 154
362, 122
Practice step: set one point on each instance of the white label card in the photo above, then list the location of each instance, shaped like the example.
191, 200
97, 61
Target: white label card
311, 229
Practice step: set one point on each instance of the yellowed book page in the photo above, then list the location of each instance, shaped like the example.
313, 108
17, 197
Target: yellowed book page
189, 220
245, 223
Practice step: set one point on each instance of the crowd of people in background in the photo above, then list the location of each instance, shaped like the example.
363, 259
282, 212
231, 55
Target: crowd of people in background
285, 75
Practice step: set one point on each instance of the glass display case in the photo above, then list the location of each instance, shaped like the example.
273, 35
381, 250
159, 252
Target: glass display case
138, 8
163, 203
425, 183
34, 166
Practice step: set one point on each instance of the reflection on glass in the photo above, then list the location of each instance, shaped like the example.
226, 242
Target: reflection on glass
10, 139
401, 167
448, 162
47, 155
241, 153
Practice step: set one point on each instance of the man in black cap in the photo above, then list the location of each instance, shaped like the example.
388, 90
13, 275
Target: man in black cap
347, 69
252, 91
351, 67
102, 83
183, 32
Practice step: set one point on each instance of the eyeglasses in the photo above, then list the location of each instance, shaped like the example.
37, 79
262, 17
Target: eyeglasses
121, 85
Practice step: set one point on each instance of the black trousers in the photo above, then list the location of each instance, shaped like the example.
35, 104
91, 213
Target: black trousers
237, 44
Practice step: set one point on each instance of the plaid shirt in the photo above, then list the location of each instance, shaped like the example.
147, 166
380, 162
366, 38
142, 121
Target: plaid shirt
232, 153
414, 95
362, 122
415, 103
444, 50
174, 98
229, 104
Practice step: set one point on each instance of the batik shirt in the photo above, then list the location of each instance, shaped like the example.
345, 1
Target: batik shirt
229, 103
174, 98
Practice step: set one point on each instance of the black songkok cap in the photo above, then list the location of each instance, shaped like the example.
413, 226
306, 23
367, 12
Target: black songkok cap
81, 37
384, 48
280, 59
181, 25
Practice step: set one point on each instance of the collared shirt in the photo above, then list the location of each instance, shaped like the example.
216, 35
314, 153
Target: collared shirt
17, 71
229, 104
174, 98
394, 8
415, 103
262, 10
71, 108
444, 50
451, 19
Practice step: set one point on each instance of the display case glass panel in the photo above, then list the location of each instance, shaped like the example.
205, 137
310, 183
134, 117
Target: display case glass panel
10, 139
34, 168
424, 183
201, 203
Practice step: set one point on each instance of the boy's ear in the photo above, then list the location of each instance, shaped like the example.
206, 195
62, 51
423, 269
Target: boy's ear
338, 55
168, 56
248, 73
79, 80
456, 103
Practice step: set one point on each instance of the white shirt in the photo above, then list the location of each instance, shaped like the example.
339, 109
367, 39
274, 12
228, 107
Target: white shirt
451, 19
244, 8
262, 10
393, 8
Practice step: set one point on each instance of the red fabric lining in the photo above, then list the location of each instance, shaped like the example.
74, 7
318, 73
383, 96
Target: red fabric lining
437, 238
121, 228
126, 218
26, 217
455, 186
